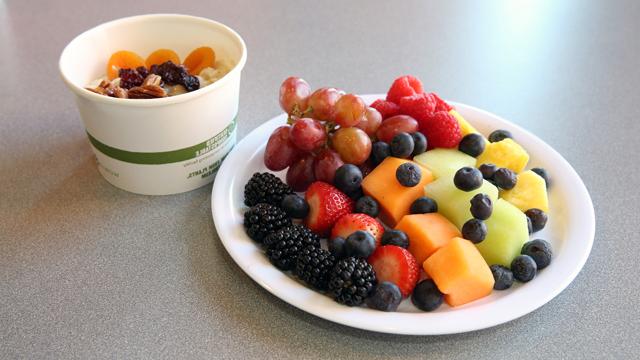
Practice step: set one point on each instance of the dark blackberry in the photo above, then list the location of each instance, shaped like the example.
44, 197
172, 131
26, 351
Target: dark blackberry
173, 74
313, 266
263, 219
130, 78
190, 82
284, 245
265, 188
351, 281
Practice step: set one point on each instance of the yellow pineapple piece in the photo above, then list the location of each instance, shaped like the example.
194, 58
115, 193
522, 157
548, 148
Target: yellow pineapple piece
530, 192
506, 153
465, 127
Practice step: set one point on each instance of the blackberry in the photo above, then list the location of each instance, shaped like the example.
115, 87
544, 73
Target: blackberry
263, 219
265, 188
351, 281
313, 266
284, 245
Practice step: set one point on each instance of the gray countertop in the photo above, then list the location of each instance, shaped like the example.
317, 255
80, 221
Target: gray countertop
90, 271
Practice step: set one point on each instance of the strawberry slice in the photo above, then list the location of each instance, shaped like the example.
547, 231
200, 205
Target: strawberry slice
350, 223
326, 205
397, 265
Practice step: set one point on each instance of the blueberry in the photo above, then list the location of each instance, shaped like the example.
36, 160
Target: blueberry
488, 170
408, 174
529, 226
523, 268
474, 230
543, 174
505, 178
499, 135
402, 145
419, 143
348, 178
472, 144
360, 244
337, 247
468, 178
538, 219
481, 206
385, 297
426, 296
540, 251
502, 276
423, 205
380, 150
356, 194
395, 237
367, 205
295, 206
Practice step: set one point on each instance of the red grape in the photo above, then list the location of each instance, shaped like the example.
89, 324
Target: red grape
280, 152
308, 134
394, 125
322, 103
300, 175
349, 110
327, 162
371, 121
294, 93
353, 145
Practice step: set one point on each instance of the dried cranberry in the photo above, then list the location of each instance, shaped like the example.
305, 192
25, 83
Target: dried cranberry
142, 71
130, 78
173, 74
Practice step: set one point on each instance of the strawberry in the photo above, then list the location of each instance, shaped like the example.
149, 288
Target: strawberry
404, 86
350, 223
397, 265
326, 205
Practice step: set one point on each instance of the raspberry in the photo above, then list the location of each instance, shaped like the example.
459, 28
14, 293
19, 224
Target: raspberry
418, 106
441, 105
404, 86
386, 108
441, 129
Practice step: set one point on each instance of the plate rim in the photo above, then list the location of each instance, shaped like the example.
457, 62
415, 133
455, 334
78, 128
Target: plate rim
351, 316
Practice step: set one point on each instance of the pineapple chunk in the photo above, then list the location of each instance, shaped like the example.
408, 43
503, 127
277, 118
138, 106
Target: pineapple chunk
465, 127
530, 192
506, 153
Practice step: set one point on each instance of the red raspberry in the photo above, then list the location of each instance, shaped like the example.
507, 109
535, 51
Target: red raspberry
441, 129
386, 108
418, 106
404, 86
441, 105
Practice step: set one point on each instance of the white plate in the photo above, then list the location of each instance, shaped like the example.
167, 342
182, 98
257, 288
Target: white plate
570, 230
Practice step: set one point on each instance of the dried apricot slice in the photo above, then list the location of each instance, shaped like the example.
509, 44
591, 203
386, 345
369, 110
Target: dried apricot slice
199, 59
161, 56
122, 59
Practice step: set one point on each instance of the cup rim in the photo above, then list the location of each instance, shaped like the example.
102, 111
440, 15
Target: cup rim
81, 91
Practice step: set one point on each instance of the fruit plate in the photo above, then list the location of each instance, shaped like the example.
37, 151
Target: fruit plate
570, 230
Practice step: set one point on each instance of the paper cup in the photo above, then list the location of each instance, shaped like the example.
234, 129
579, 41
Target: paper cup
157, 146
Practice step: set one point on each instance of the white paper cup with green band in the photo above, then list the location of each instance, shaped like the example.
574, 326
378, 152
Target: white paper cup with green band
165, 145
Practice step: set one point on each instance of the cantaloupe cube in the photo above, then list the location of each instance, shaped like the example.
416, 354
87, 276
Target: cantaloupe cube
506, 153
427, 233
460, 272
465, 127
530, 192
394, 199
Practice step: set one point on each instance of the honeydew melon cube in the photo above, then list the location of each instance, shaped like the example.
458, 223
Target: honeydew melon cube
506, 233
444, 162
454, 203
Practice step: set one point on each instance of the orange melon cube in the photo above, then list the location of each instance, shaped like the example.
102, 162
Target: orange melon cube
427, 233
394, 199
460, 272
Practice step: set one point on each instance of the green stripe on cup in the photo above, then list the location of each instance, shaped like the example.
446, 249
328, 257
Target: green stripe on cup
165, 157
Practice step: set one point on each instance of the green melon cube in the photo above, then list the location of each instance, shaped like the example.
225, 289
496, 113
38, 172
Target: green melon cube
443, 162
453, 203
506, 233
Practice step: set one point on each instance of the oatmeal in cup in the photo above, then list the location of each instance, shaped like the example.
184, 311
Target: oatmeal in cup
157, 137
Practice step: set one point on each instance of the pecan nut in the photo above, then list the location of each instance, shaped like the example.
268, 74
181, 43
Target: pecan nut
152, 79
147, 92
